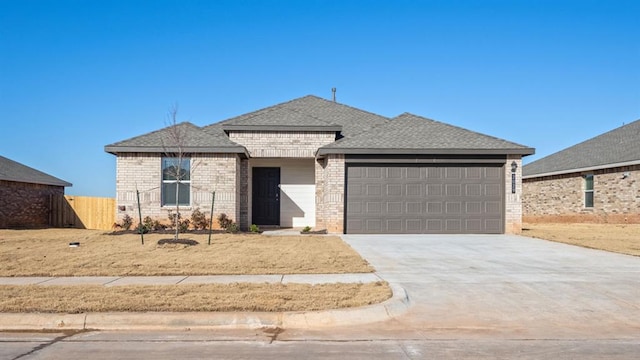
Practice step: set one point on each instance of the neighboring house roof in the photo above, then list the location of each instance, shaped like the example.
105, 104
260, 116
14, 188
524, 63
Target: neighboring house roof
164, 140
14, 171
618, 147
412, 134
304, 113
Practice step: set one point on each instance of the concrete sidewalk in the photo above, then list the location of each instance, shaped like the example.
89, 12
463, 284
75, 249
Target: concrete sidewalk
391, 308
206, 279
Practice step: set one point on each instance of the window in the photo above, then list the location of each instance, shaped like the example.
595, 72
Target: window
176, 175
588, 191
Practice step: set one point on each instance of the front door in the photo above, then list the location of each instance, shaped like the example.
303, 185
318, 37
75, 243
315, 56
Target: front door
266, 196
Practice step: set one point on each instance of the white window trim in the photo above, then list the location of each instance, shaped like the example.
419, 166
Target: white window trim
163, 181
592, 191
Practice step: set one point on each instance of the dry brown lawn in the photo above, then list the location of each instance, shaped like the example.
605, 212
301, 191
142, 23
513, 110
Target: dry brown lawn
209, 297
619, 238
47, 253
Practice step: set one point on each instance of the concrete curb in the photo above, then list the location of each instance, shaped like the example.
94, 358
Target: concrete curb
398, 304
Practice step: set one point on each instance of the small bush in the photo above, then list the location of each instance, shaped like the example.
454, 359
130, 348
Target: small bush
306, 229
224, 221
254, 228
183, 224
233, 228
148, 224
127, 222
199, 220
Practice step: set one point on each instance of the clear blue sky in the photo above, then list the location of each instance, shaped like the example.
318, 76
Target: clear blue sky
78, 75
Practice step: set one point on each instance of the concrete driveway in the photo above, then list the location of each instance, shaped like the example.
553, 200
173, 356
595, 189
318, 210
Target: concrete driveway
507, 287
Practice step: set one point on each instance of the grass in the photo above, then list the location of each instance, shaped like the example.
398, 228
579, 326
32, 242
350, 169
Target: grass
209, 297
619, 238
47, 253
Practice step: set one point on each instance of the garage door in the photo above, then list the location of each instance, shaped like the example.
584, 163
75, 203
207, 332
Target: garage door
455, 199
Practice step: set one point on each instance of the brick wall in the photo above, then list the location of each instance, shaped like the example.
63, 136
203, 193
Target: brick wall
24, 205
561, 197
513, 202
330, 193
291, 144
209, 172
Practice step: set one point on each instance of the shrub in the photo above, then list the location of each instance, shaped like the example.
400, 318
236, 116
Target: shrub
127, 222
148, 224
183, 224
199, 220
254, 228
306, 229
233, 228
224, 221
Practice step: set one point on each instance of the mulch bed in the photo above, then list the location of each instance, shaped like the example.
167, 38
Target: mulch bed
178, 241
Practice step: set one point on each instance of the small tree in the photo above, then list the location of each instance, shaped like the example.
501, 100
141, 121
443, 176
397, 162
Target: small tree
174, 143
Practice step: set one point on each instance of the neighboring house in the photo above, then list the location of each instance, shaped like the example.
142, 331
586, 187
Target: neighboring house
26, 195
318, 163
597, 180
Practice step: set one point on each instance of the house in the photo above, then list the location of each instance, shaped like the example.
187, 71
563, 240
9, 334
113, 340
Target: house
318, 163
26, 195
594, 181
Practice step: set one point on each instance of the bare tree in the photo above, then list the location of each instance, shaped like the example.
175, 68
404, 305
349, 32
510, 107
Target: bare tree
174, 144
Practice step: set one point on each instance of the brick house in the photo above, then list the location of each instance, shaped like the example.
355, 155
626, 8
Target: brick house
318, 163
593, 181
26, 195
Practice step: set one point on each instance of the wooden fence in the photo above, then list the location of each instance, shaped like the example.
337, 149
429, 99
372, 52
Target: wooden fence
83, 212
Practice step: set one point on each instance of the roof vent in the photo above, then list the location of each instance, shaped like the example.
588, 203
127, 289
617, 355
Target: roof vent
333, 90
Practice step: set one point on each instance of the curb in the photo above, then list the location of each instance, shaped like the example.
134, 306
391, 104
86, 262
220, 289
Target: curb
397, 305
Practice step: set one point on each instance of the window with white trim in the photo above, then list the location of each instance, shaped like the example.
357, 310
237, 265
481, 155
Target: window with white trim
588, 191
176, 175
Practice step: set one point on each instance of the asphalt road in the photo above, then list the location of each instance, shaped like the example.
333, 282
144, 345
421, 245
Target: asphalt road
476, 297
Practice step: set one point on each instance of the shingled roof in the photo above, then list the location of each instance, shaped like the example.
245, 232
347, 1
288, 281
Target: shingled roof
195, 141
358, 131
618, 147
305, 113
14, 171
412, 134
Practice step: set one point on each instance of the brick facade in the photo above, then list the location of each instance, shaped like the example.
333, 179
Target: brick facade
513, 201
26, 205
561, 197
330, 176
209, 172
274, 144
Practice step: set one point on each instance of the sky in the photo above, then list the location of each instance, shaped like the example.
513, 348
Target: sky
78, 75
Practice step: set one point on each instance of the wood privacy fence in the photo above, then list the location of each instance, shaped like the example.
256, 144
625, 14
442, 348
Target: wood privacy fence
83, 212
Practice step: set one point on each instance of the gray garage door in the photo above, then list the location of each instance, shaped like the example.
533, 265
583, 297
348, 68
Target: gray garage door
455, 199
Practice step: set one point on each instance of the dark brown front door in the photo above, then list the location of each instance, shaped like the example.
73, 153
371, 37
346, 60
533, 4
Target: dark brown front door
266, 196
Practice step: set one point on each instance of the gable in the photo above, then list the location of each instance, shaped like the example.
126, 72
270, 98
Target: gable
193, 138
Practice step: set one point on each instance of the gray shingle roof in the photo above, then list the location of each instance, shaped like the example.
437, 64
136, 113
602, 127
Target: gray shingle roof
412, 134
195, 140
618, 146
14, 171
281, 118
307, 111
